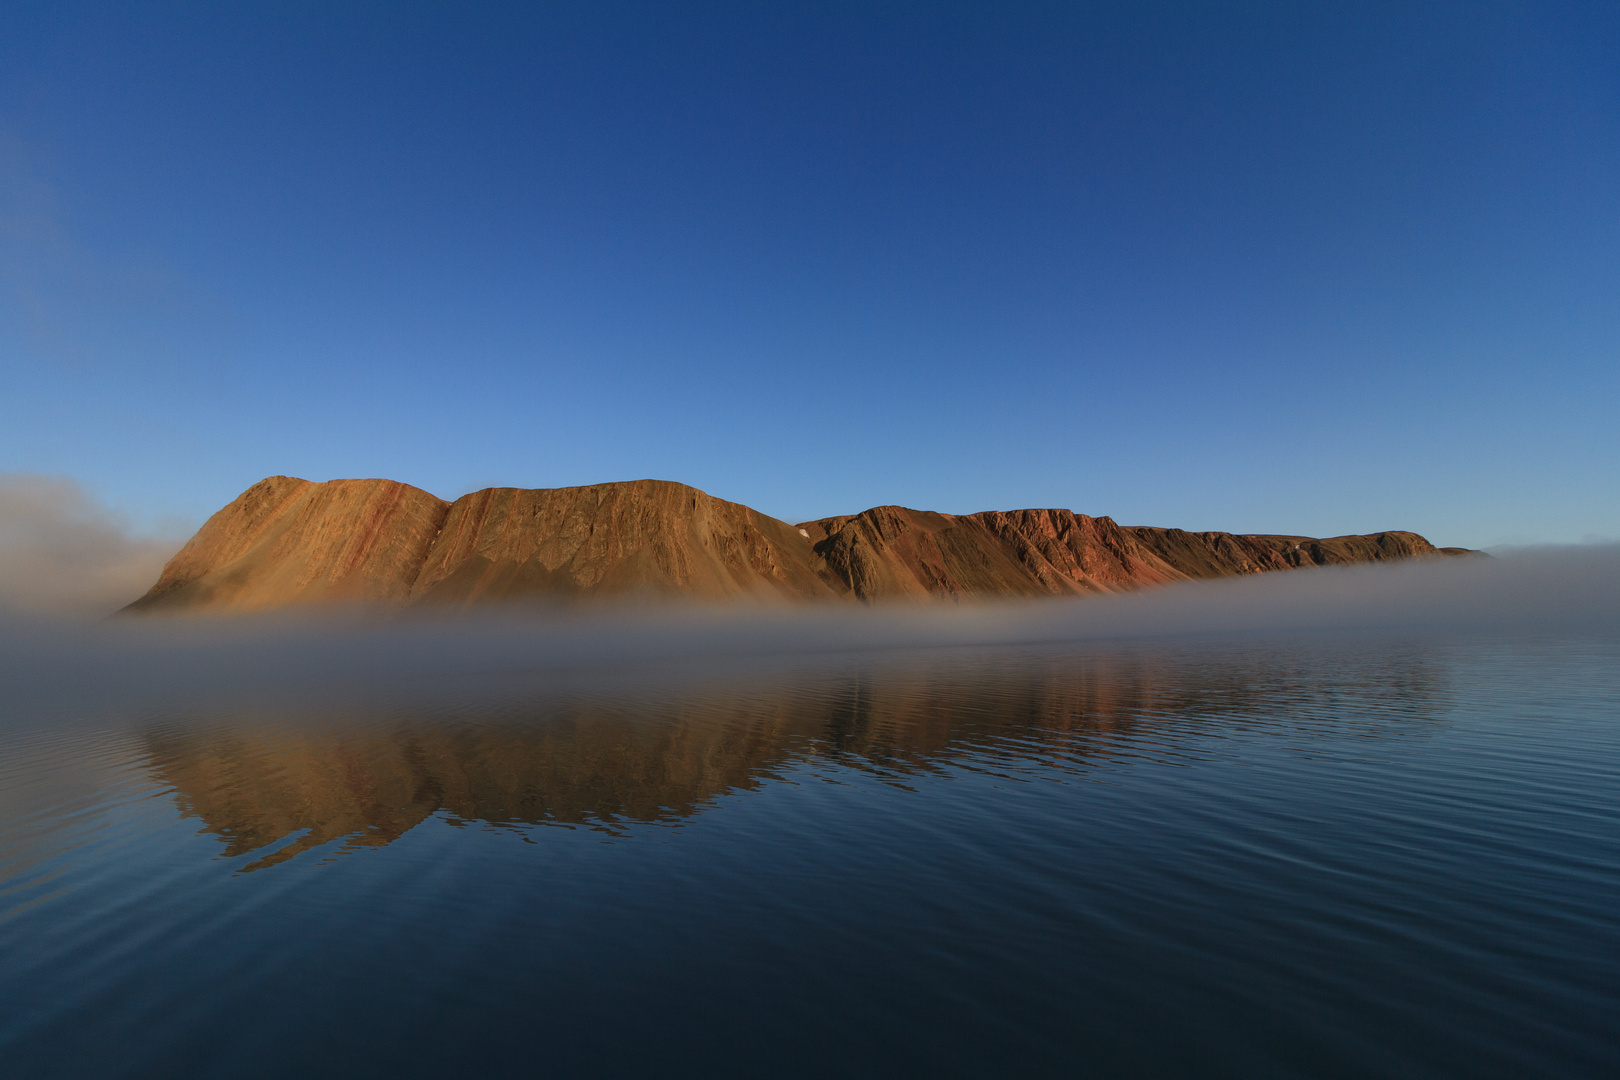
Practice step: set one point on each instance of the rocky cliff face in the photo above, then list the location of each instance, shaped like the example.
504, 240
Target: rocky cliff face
287, 541
642, 536
891, 552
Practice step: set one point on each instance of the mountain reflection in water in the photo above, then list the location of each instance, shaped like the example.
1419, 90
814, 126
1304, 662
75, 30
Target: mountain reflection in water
606, 759
1335, 855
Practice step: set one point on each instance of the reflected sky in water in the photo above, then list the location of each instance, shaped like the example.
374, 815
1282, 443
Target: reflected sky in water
1359, 855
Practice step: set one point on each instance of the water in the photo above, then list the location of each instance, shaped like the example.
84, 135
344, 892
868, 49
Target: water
1360, 855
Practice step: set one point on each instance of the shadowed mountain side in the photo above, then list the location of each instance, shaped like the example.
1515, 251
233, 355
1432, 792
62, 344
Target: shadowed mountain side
287, 541
612, 763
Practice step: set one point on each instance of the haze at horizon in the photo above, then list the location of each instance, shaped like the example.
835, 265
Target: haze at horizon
1269, 271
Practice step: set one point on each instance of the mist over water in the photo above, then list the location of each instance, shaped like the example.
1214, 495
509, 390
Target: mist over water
62, 552
1560, 589
1359, 822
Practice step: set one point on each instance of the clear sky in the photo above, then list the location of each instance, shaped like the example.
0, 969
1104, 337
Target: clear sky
1315, 268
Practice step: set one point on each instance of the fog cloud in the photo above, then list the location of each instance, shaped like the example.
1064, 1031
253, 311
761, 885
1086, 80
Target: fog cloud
1521, 596
63, 553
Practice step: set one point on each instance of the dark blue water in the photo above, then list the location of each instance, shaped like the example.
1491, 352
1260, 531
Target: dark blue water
1353, 857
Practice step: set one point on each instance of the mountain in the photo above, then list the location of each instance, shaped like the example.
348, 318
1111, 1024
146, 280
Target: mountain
286, 541
890, 551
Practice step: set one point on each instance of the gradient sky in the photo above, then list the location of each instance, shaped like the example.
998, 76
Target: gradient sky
1259, 267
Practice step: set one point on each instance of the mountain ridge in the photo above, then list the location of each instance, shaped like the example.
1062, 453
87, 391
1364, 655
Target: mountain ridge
288, 541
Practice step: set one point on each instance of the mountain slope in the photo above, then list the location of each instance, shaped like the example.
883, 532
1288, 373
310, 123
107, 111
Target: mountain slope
889, 552
641, 536
284, 540
287, 541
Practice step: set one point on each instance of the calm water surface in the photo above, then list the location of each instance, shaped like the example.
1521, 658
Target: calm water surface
1323, 857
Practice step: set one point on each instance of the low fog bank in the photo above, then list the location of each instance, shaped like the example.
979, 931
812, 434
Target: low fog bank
63, 553
1544, 591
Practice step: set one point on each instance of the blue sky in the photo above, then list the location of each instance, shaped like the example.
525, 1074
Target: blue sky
1264, 268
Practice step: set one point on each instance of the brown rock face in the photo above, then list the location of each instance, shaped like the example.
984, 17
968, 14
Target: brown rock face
893, 552
285, 540
288, 541
642, 536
